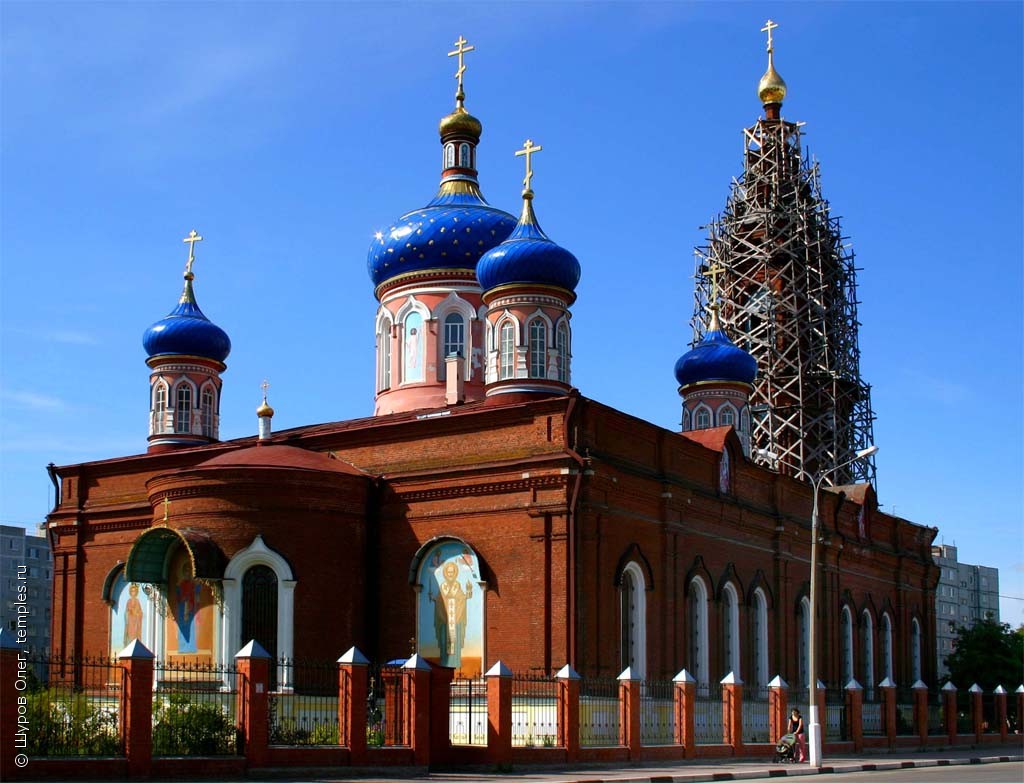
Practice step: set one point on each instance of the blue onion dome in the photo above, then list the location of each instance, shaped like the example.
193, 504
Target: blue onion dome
185, 331
716, 358
529, 257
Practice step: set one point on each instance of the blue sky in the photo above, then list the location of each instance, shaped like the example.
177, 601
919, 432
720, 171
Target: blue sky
288, 133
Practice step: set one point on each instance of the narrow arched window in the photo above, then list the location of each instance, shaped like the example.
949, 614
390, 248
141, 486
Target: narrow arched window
867, 632
702, 418
454, 342
538, 348
887, 647
760, 637
726, 416
464, 161
207, 410
413, 345
384, 356
686, 420
632, 641
731, 629
507, 351
697, 606
183, 408
562, 338
745, 420
915, 649
259, 611
804, 619
449, 155
159, 407
846, 642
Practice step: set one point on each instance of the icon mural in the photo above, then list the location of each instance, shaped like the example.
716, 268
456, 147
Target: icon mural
190, 621
451, 609
413, 348
128, 614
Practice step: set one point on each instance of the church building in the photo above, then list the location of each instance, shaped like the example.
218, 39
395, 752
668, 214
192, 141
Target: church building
488, 509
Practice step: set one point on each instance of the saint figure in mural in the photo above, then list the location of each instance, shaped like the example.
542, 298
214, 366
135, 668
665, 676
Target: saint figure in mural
413, 347
450, 615
187, 594
132, 615
724, 475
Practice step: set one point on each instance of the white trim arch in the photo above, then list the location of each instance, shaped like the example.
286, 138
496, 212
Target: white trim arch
886, 629
184, 381
915, 649
846, 645
258, 553
453, 303
703, 408
867, 631
412, 305
731, 629
727, 407
760, 638
697, 607
563, 347
158, 415
385, 370
634, 591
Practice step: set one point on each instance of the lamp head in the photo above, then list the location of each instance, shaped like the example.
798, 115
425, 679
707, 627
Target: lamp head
867, 452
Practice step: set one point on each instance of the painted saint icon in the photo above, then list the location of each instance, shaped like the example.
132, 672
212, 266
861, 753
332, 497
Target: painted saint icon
413, 348
133, 615
450, 609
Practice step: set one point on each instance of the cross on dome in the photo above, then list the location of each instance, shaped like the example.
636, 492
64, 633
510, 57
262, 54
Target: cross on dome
191, 239
460, 51
769, 26
528, 151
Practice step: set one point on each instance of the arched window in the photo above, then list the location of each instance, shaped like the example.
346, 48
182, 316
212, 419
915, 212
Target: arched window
726, 416
450, 608
208, 411
915, 649
507, 351
686, 420
464, 160
449, 155
731, 629
745, 420
131, 613
454, 341
846, 645
803, 654
887, 647
160, 407
384, 355
413, 346
697, 606
259, 611
867, 634
538, 349
760, 638
632, 614
702, 418
183, 408
562, 337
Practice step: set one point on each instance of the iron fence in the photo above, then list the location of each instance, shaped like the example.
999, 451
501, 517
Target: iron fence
385, 701
306, 713
194, 709
707, 714
871, 719
964, 719
599, 712
467, 720
905, 699
657, 712
755, 715
835, 715
936, 713
534, 711
73, 706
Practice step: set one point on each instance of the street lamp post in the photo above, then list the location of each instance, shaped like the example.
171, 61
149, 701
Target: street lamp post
814, 727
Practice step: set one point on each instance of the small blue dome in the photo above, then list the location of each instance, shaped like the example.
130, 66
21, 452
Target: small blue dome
528, 256
451, 232
716, 358
186, 331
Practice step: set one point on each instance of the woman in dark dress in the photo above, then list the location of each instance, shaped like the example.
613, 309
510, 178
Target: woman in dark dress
796, 726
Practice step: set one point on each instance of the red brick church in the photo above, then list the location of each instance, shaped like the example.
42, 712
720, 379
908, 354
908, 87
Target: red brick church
488, 510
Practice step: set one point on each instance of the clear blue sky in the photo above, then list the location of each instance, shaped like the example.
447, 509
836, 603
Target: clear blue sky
288, 133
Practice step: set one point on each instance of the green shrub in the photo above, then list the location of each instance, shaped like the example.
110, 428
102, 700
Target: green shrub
70, 724
182, 727
324, 734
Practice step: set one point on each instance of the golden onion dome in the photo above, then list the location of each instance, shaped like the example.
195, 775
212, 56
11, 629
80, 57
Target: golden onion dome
772, 87
264, 410
460, 122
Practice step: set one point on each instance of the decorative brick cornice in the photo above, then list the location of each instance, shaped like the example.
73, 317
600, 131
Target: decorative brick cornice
489, 488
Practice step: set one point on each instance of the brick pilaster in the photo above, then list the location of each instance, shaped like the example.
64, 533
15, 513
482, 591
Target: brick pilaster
778, 708
977, 718
1000, 696
732, 712
684, 704
569, 712
353, 689
499, 714
888, 689
855, 714
137, 707
949, 711
253, 665
629, 710
921, 711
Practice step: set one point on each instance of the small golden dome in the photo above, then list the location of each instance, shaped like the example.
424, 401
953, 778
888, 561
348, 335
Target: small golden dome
772, 87
460, 122
264, 410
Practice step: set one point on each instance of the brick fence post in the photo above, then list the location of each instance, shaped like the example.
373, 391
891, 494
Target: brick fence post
778, 703
921, 711
499, 714
888, 689
977, 718
569, 711
732, 712
353, 691
10, 655
684, 704
137, 707
416, 714
1000, 696
253, 665
855, 715
629, 712
949, 711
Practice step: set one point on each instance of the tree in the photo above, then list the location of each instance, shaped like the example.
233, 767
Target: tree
990, 654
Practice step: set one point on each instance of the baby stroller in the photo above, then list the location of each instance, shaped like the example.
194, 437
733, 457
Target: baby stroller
785, 749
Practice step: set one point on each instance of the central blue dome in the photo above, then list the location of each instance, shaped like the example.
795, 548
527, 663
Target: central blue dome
187, 332
451, 232
716, 358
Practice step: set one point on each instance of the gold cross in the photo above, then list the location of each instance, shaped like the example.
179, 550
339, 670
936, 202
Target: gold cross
528, 150
192, 238
460, 52
265, 385
713, 272
769, 26
167, 505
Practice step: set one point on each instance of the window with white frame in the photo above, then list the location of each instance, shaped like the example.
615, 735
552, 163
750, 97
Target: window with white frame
632, 614
454, 341
867, 631
183, 408
449, 155
915, 649
159, 406
697, 606
507, 351
887, 647
464, 160
760, 638
562, 338
702, 418
846, 642
538, 348
731, 629
726, 416
384, 355
207, 410
686, 420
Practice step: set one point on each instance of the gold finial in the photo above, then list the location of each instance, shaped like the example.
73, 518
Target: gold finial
527, 151
264, 410
713, 272
460, 51
192, 238
772, 87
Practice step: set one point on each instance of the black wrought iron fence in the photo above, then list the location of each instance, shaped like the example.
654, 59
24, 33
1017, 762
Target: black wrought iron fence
707, 714
194, 708
936, 713
72, 707
385, 704
964, 718
905, 698
306, 713
657, 712
534, 711
871, 714
755, 714
599, 712
835, 715
468, 712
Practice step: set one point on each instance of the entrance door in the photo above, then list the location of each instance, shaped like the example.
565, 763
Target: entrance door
259, 612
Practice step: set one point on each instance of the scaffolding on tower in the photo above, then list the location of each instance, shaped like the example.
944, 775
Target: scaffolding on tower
787, 292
